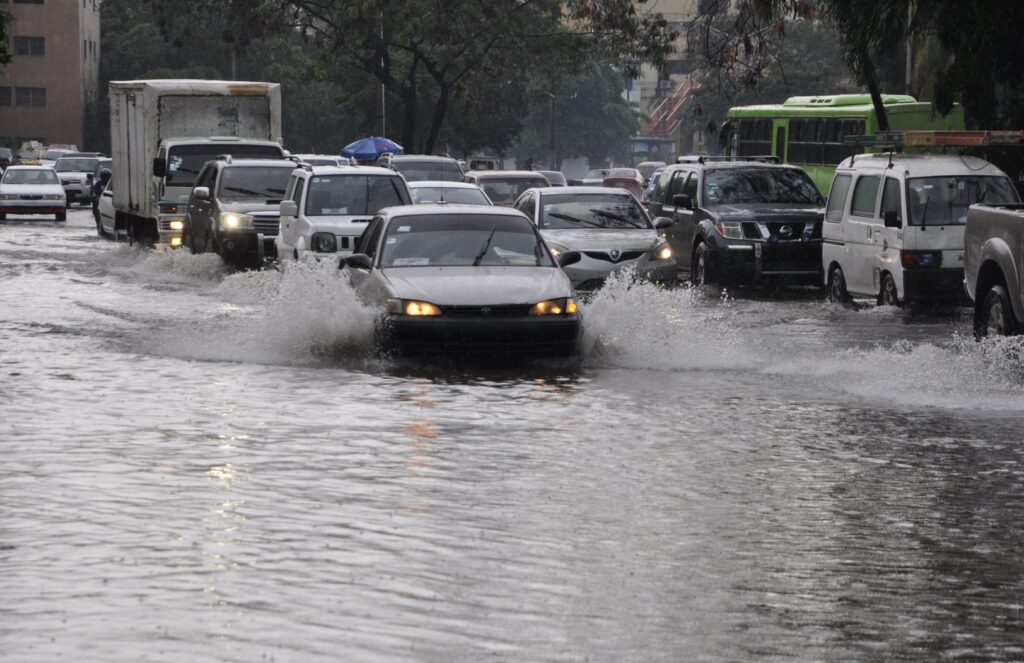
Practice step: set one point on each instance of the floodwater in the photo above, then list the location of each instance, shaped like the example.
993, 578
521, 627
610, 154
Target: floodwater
200, 465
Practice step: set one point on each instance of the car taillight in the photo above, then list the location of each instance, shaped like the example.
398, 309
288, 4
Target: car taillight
921, 259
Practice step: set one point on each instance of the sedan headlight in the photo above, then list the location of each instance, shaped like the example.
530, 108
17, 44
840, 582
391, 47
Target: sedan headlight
662, 251
234, 221
324, 243
729, 229
8, 196
556, 249
410, 307
53, 196
566, 306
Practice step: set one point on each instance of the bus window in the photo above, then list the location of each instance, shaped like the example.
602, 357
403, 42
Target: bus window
796, 141
755, 137
834, 151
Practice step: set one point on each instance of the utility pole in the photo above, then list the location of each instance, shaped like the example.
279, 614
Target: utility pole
552, 145
909, 77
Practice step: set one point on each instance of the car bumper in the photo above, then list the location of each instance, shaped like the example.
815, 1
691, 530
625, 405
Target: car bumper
31, 207
249, 243
935, 285
536, 335
755, 262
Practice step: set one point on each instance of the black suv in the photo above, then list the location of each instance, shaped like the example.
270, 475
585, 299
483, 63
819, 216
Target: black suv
741, 221
423, 167
235, 209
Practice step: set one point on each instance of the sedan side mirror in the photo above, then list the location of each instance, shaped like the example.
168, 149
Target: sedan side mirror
201, 193
662, 222
289, 208
358, 261
569, 258
159, 167
682, 200
892, 220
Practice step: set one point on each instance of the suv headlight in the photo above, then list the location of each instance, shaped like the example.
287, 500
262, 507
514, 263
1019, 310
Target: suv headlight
662, 251
234, 221
410, 307
566, 306
729, 229
323, 243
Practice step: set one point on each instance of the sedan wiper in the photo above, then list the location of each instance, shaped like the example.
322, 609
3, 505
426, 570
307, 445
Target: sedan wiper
487, 245
615, 216
574, 219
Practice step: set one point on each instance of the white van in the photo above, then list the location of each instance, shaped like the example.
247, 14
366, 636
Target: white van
894, 224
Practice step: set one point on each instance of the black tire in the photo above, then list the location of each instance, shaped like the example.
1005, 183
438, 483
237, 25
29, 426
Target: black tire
888, 295
62, 216
837, 293
995, 316
699, 272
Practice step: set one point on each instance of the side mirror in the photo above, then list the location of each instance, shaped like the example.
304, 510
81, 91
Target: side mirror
289, 208
159, 167
891, 219
569, 258
201, 193
357, 261
682, 200
662, 222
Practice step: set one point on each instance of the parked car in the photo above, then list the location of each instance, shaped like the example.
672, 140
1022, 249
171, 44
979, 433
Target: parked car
466, 278
648, 168
455, 193
420, 167
32, 190
76, 176
609, 229
554, 177
327, 208
7, 158
629, 179
234, 209
740, 221
503, 187
994, 267
106, 225
645, 197
894, 226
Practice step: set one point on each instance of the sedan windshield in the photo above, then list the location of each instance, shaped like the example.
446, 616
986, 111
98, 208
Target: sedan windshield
247, 182
346, 195
759, 185
453, 195
75, 165
185, 161
40, 176
943, 201
505, 190
616, 212
422, 171
463, 241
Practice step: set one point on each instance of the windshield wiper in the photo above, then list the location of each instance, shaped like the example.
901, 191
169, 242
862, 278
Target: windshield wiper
924, 214
615, 216
248, 192
487, 245
566, 217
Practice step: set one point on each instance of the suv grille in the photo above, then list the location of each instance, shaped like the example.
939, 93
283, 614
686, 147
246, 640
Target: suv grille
267, 225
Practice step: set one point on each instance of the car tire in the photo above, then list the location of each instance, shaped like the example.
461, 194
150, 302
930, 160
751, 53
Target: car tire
888, 295
995, 318
62, 216
837, 293
699, 272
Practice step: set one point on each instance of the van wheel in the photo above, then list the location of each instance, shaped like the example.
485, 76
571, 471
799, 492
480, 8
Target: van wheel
888, 296
837, 293
996, 315
699, 272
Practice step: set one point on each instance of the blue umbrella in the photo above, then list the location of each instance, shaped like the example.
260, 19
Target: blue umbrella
370, 148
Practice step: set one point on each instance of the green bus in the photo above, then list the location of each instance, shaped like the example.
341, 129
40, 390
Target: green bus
810, 131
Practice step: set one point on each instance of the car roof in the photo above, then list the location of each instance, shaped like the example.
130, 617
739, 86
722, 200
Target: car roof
495, 174
420, 157
352, 170
587, 190
425, 184
30, 167
920, 165
245, 163
449, 209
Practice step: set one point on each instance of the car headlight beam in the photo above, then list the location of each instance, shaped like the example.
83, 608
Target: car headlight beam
235, 221
566, 306
410, 307
662, 251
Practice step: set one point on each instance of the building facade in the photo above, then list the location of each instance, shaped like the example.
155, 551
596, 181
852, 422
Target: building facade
51, 86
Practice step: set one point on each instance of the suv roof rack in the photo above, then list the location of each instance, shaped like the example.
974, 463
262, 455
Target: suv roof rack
706, 158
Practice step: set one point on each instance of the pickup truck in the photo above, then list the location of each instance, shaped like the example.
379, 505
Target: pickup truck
994, 266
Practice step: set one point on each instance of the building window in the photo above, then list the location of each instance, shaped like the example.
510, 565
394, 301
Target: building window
30, 46
30, 96
5, 96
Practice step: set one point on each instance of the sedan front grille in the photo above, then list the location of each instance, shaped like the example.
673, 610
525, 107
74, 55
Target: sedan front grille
25, 196
607, 257
496, 311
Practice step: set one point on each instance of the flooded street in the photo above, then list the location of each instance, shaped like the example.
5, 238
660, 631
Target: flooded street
209, 466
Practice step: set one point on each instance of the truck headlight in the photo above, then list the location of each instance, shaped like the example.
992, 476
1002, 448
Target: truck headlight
234, 221
729, 229
566, 306
177, 225
324, 243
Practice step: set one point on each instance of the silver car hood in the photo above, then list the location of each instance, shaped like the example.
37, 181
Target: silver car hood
252, 207
72, 175
477, 286
587, 240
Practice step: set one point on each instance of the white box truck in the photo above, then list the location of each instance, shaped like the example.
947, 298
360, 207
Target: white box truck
163, 131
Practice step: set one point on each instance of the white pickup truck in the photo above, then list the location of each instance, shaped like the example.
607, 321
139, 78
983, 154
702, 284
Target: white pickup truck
994, 267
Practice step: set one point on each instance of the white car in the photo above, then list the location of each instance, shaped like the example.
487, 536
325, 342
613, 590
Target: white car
76, 176
105, 226
894, 225
455, 193
607, 226
327, 208
32, 190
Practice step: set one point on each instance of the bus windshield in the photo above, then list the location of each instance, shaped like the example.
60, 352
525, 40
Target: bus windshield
943, 201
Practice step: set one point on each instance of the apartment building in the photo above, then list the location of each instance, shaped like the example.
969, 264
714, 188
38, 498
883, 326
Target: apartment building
53, 79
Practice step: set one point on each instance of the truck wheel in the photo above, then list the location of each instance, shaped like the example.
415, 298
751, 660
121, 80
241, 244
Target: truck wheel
888, 296
837, 293
699, 272
62, 216
995, 318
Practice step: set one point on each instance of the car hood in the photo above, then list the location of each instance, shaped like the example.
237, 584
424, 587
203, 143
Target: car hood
477, 286
255, 207
586, 240
32, 189
767, 212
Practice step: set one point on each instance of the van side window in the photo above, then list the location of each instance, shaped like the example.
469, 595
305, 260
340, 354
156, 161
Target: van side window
892, 198
837, 198
865, 195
